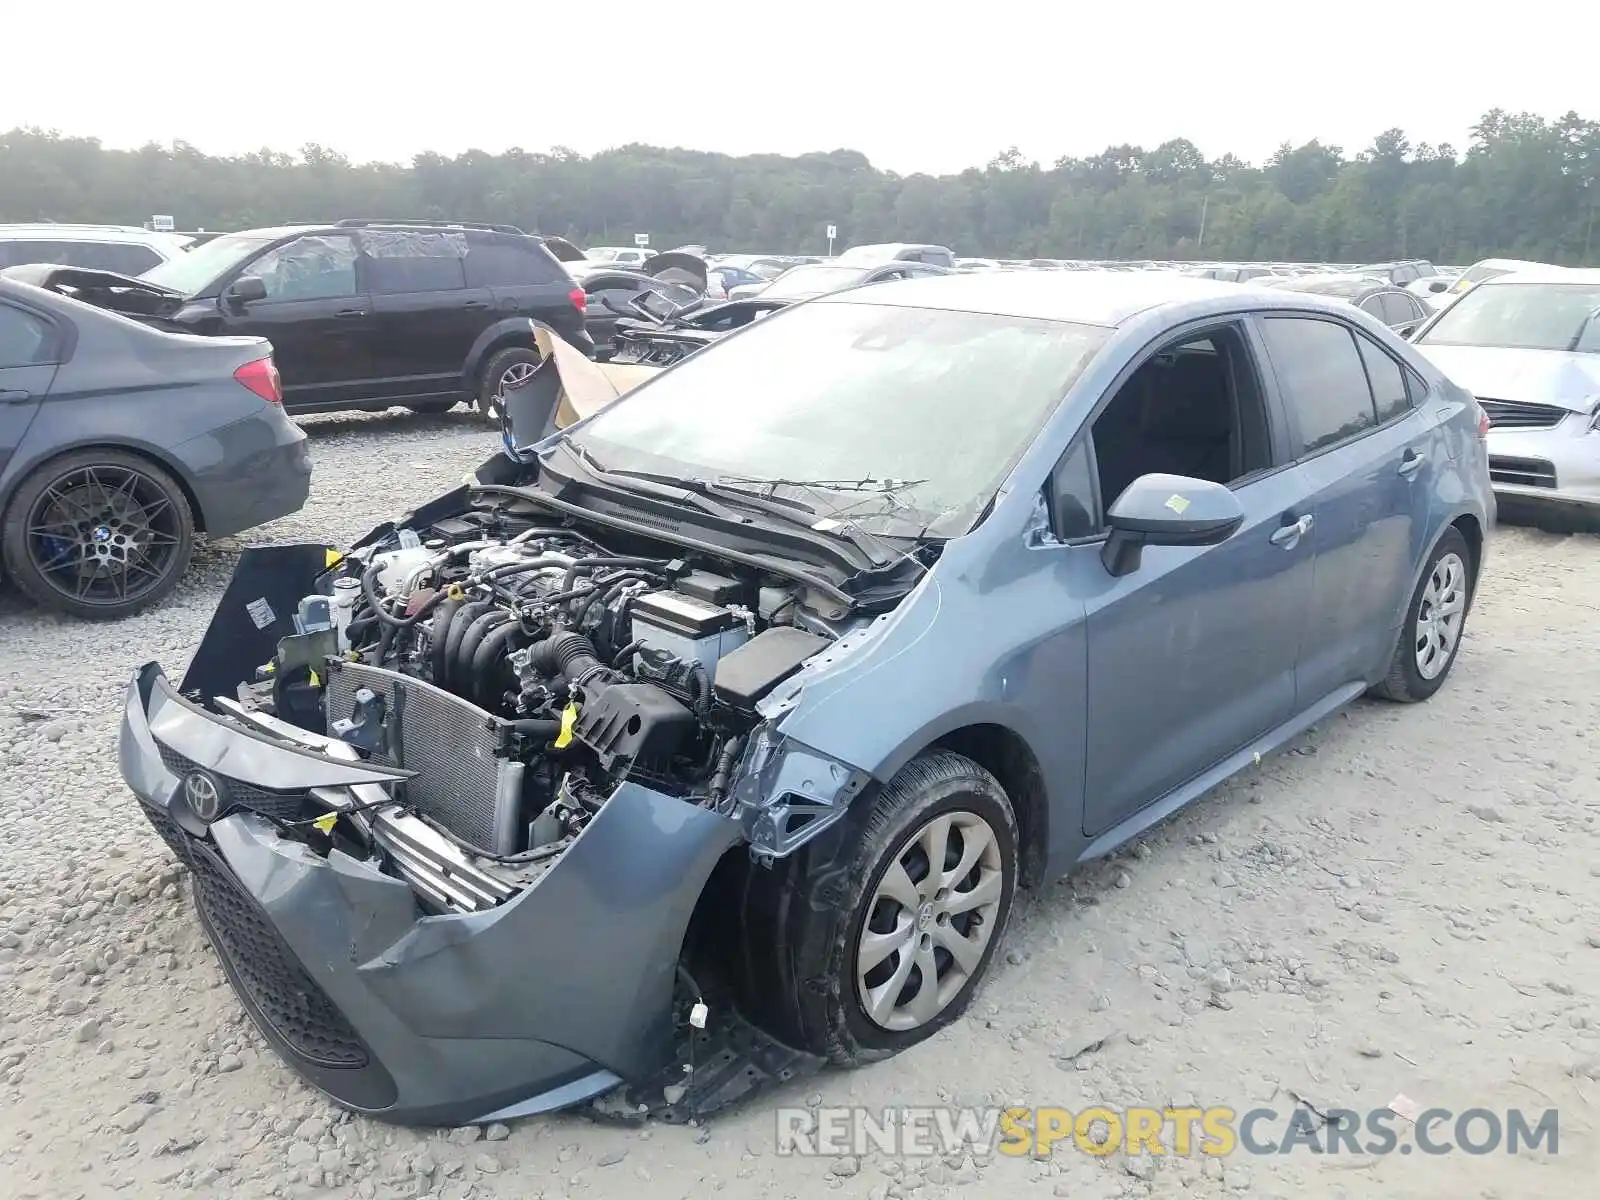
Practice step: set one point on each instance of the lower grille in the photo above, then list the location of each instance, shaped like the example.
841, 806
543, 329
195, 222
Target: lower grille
285, 806
451, 745
177, 841
1522, 472
276, 986
1517, 414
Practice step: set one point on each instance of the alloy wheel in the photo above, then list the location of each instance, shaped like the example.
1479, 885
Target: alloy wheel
104, 535
929, 921
1440, 614
513, 376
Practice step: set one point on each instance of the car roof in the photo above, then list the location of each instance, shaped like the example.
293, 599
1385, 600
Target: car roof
1083, 297
1544, 273
49, 232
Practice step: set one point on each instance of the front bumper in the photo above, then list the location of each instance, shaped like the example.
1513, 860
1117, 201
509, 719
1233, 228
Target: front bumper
1555, 469
548, 999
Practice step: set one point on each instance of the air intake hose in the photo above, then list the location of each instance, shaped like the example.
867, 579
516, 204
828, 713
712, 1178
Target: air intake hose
568, 654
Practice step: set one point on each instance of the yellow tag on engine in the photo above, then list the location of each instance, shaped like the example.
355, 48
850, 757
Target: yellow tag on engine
326, 822
569, 718
331, 557
316, 680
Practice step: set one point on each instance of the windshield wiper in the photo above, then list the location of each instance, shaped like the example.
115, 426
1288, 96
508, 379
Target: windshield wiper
705, 495
793, 512
1577, 338
869, 484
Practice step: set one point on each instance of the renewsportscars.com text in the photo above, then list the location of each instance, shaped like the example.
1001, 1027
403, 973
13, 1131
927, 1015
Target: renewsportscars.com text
1213, 1132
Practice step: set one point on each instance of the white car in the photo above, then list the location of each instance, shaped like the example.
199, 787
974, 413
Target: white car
124, 249
1527, 345
620, 256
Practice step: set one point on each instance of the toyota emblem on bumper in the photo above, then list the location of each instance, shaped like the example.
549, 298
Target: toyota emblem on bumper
203, 795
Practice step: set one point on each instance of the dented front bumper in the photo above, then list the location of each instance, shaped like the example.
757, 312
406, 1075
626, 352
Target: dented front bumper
541, 1002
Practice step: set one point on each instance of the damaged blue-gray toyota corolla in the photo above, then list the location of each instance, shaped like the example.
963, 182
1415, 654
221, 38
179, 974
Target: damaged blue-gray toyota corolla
707, 740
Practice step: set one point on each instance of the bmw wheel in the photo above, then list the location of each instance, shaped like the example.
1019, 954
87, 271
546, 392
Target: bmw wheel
882, 939
98, 534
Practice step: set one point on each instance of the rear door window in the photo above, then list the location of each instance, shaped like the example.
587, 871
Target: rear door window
406, 260
125, 258
24, 338
1399, 309
1322, 378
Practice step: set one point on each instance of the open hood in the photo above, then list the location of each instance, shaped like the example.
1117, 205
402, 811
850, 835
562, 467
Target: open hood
678, 267
565, 388
104, 289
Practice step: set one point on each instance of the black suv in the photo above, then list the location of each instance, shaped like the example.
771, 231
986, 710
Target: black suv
369, 313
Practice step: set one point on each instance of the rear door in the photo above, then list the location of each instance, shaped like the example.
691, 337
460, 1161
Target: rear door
425, 317
317, 316
1371, 460
30, 346
524, 280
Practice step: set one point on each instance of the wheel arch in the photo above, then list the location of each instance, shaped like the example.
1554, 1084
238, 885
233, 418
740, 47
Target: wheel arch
152, 454
1006, 755
1471, 528
501, 335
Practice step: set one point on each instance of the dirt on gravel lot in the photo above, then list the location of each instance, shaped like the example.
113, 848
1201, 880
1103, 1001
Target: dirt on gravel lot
1405, 903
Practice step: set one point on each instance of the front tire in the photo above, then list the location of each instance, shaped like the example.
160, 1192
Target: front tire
99, 534
865, 949
1431, 635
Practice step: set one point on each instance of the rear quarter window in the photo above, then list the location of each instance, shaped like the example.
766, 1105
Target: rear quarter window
508, 263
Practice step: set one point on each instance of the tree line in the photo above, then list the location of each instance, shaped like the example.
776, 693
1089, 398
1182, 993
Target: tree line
1524, 187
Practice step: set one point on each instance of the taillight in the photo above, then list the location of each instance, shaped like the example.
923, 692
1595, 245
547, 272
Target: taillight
261, 377
1483, 421
579, 300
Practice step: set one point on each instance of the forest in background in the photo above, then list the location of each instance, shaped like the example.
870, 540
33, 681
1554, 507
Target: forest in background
1524, 187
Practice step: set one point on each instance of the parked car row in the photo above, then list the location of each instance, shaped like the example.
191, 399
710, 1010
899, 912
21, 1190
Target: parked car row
367, 314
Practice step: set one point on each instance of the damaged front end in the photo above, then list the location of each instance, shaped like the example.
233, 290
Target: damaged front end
451, 802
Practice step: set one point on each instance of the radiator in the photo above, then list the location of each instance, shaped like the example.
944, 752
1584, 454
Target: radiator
451, 744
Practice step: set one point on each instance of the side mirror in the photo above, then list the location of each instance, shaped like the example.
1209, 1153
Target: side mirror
1406, 331
245, 289
1167, 510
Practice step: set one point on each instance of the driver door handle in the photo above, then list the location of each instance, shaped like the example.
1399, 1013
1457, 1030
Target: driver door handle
1410, 462
347, 313
1287, 535
15, 396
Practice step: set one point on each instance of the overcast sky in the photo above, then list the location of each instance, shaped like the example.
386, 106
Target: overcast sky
902, 82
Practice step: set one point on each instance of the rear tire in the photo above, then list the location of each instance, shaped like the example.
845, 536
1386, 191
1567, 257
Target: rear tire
836, 964
504, 366
1435, 623
118, 518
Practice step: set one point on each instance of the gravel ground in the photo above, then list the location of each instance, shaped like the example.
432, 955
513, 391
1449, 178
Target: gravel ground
1407, 902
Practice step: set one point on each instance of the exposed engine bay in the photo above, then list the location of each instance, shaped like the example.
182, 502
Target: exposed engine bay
518, 672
